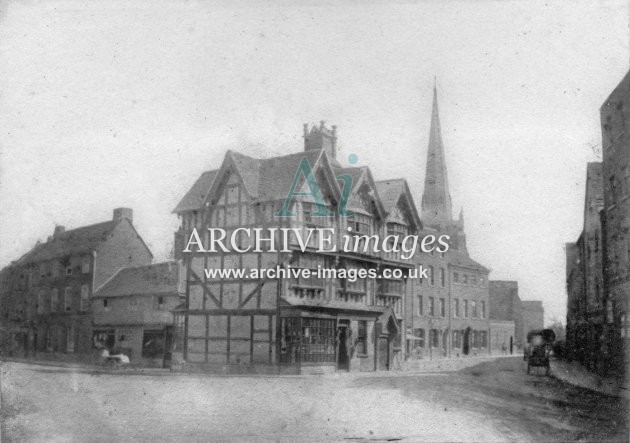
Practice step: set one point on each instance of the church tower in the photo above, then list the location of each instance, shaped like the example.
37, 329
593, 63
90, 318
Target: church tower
437, 210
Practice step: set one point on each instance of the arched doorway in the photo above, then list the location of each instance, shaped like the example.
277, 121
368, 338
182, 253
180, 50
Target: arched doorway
466, 344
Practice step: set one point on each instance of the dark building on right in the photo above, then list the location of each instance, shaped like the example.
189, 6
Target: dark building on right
615, 121
598, 263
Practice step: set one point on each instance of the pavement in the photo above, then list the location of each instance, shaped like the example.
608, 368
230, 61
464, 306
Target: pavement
577, 375
491, 401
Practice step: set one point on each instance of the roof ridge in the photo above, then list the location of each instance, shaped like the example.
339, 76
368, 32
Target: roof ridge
83, 227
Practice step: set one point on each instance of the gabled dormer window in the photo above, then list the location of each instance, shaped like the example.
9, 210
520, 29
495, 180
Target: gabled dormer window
361, 224
397, 229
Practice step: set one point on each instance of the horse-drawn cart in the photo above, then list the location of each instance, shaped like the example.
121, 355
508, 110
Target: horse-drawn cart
538, 349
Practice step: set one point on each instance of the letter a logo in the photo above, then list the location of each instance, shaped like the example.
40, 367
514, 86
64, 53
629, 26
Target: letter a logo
305, 169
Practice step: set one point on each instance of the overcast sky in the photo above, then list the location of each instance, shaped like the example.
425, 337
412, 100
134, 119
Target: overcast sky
107, 104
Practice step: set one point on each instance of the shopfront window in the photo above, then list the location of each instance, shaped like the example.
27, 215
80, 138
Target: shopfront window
307, 340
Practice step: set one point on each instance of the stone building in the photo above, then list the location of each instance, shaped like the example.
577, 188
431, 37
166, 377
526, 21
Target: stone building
47, 293
448, 314
598, 264
585, 309
615, 119
132, 312
505, 305
284, 321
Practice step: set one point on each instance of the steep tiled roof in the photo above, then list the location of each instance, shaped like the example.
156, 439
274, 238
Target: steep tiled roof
354, 172
75, 241
264, 179
249, 170
158, 278
277, 173
389, 191
195, 197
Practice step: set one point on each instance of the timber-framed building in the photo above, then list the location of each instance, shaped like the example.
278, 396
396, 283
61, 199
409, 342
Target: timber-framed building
295, 324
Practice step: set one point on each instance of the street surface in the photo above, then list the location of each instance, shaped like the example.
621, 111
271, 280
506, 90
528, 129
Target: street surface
494, 401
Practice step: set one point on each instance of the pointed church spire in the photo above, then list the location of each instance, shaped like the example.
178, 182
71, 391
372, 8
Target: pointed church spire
436, 199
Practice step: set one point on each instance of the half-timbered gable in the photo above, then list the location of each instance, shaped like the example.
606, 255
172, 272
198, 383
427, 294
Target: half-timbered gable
402, 216
367, 211
296, 320
191, 209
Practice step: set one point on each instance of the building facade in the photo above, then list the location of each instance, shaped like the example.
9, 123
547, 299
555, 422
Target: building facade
586, 317
288, 322
615, 119
598, 263
132, 313
505, 305
47, 293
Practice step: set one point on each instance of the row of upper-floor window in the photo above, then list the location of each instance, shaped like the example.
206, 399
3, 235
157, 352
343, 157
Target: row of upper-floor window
235, 211
468, 279
321, 267
462, 279
53, 269
436, 307
54, 300
439, 339
241, 215
132, 303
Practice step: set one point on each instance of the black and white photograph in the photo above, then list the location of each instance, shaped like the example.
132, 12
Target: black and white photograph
314, 220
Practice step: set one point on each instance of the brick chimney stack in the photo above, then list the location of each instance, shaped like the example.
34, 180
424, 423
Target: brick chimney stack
59, 229
120, 213
321, 138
